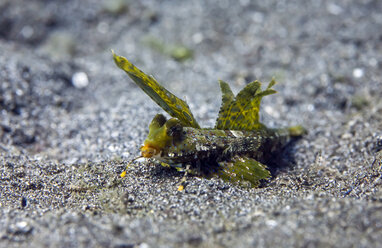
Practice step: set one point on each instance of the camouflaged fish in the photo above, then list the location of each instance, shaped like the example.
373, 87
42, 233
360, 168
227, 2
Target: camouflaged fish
232, 150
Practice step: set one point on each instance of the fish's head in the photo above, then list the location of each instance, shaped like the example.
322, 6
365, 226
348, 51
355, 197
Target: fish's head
162, 135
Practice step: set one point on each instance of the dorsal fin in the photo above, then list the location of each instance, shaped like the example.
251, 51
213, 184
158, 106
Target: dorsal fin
227, 95
174, 106
242, 112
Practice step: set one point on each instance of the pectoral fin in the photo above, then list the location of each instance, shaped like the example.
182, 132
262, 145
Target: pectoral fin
244, 171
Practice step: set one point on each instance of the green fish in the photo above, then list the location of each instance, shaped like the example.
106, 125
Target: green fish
231, 150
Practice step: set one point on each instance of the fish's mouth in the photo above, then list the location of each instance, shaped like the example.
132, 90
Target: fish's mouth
148, 151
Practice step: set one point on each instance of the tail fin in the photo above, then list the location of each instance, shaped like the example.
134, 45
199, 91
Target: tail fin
297, 131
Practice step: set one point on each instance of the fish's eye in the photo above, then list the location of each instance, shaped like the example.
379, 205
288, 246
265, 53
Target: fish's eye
173, 126
175, 131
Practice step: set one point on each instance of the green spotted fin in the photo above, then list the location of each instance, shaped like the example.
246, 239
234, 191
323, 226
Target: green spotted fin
244, 171
174, 106
242, 112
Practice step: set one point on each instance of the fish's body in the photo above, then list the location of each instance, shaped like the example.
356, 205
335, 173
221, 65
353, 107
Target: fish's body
231, 150
206, 144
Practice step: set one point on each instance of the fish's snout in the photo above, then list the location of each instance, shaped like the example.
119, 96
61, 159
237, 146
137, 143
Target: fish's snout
148, 151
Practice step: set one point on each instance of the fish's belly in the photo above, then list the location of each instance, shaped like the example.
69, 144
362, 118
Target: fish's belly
188, 158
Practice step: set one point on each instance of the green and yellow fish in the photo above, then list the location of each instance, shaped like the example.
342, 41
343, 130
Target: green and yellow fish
232, 150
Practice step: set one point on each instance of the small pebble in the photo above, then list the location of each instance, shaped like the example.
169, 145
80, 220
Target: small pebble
357, 73
80, 80
334, 9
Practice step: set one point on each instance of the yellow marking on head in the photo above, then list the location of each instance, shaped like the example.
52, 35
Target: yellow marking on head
148, 151
123, 174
